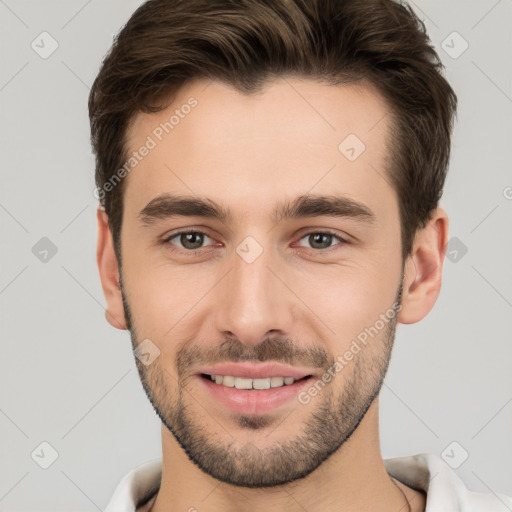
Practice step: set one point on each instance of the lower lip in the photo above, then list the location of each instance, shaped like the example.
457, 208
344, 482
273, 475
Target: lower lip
252, 401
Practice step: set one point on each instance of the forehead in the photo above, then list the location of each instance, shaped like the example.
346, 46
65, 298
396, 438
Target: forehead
293, 137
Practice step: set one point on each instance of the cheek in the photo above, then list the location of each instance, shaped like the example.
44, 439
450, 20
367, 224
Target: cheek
346, 298
163, 297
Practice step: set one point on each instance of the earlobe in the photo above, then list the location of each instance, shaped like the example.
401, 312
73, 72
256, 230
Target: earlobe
423, 269
109, 273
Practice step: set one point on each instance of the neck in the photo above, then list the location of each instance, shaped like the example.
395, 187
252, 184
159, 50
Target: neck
354, 478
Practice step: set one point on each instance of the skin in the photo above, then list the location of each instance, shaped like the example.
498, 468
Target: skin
249, 153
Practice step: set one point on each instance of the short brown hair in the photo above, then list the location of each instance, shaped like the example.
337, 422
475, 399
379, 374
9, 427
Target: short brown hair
166, 43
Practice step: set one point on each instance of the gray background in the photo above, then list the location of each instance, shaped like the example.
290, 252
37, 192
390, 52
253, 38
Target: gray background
69, 379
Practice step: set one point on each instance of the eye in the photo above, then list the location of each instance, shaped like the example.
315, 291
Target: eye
188, 240
321, 239
191, 241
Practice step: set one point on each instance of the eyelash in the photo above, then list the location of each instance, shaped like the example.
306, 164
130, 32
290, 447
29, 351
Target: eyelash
167, 241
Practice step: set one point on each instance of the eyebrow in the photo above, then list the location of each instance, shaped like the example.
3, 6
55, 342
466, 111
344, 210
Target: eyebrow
166, 206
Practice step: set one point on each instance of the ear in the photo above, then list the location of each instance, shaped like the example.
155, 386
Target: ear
109, 272
423, 269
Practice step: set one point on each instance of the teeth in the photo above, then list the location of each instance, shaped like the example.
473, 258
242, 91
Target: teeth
261, 383
276, 382
228, 381
241, 383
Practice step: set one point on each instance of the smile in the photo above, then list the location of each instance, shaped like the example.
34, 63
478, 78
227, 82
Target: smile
256, 384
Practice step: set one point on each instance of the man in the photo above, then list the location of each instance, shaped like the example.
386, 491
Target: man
269, 173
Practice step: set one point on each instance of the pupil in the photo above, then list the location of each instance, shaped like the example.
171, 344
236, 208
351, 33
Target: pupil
316, 239
189, 237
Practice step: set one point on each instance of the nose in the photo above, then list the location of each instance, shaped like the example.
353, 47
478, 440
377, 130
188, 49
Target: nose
252, 301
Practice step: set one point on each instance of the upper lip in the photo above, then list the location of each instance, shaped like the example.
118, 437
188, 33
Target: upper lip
255, 371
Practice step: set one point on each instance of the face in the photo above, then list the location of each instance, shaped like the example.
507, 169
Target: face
258, 246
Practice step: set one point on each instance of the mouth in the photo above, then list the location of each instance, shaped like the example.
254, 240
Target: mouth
253, 384
253, 389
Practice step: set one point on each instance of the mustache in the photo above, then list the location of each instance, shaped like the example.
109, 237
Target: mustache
280, 350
